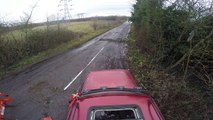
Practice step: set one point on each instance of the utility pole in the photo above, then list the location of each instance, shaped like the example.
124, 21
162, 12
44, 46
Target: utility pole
65, 8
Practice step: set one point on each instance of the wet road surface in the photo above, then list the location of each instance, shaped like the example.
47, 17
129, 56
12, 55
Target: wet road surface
44, 89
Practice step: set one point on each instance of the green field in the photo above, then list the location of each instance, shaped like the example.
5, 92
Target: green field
14, 43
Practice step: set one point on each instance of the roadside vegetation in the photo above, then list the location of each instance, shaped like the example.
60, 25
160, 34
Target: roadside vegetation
171, 54
25, 44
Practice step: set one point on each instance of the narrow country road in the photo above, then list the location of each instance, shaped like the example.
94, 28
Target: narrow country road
44, 89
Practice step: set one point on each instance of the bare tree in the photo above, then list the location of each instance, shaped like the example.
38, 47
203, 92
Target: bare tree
58, 22
3, 26
26, 20
94, 23
47, 23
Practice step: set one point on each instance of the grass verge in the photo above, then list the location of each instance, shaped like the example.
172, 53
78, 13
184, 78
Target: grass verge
177, 98
29, 61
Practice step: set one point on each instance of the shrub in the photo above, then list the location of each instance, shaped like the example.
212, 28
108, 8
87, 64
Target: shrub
13, 50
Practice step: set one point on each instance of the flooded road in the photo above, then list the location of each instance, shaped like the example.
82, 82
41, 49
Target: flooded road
44, 89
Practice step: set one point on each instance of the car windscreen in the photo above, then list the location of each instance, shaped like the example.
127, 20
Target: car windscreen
112, 113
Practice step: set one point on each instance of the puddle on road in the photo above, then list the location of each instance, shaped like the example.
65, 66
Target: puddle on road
42, 92
113, 63
118, 40
37, 88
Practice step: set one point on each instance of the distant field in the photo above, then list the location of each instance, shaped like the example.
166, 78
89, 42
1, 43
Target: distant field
82, 27
23, 47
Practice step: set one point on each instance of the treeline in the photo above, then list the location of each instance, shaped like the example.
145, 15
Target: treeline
20, 25
178, 34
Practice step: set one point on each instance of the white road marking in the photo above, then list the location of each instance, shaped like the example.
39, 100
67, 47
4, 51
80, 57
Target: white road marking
83, 69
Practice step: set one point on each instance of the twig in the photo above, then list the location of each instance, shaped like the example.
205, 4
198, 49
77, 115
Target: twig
190, 51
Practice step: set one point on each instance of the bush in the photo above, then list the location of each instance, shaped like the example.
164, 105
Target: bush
177, 36
13, 50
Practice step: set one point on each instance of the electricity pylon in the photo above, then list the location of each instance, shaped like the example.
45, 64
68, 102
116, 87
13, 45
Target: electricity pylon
65, 8
80, 15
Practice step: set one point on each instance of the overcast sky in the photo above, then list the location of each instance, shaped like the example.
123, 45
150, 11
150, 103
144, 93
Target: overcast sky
13, 9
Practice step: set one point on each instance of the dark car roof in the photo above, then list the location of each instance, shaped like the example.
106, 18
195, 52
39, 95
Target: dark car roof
110, 79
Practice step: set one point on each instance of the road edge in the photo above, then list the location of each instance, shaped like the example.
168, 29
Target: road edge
15, 72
